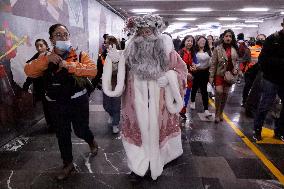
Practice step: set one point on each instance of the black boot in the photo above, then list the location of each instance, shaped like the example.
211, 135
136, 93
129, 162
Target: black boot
67, 170
134, 177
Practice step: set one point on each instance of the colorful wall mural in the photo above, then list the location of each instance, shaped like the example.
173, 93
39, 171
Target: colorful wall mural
24, 21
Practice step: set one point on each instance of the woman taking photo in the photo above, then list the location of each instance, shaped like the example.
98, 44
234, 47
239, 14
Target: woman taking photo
223, 70
64, 72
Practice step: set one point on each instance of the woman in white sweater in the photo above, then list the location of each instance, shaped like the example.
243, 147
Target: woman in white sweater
201, 75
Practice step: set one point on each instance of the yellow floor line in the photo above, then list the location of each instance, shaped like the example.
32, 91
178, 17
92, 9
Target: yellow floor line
254, 148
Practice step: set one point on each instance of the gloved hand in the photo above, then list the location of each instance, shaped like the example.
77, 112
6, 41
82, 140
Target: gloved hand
113, 53
162, 81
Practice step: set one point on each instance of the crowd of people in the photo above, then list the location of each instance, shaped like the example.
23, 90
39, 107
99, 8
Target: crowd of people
148, 82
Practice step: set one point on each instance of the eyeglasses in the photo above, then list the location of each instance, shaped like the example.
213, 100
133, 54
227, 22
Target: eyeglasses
61, 35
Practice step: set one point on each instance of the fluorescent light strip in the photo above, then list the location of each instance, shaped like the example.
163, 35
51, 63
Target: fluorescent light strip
251, 26
253, 21
186, 19
186, 31
198, 9
240, 25
227, 18
143, 10
237, 28
254, 9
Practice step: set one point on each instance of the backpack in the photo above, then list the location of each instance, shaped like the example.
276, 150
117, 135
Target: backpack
61, 85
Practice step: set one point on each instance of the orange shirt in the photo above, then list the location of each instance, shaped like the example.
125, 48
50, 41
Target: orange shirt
85, 68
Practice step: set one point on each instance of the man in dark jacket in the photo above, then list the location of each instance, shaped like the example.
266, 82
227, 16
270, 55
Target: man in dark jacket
271, 60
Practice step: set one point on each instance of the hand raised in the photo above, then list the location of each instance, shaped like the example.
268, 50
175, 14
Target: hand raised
113, 53
54, 58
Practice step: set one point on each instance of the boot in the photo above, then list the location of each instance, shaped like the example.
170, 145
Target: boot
218, 107
223, 103
134, 177
67, 170
182, 113
94, 148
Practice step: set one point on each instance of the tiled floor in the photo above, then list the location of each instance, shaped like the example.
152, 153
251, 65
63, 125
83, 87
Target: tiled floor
214, 157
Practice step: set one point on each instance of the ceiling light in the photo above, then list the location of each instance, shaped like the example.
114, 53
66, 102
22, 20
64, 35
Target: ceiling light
227, 18
282, 13
236, 28
251, 26
253, 21
186, 19
142, 11
252, 9
198, 9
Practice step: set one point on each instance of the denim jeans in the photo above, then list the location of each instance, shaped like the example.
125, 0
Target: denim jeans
112, 106
268, 95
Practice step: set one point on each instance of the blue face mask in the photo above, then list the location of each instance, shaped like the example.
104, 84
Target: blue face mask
63, 45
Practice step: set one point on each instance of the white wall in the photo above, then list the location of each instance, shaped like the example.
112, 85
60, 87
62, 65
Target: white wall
267, 27
101, 21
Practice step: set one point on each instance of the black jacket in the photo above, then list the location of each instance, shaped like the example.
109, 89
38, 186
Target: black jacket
271, 58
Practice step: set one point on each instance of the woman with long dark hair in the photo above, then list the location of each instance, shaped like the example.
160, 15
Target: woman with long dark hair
187, 54
38, 90
224, 63
201, 74
112, 105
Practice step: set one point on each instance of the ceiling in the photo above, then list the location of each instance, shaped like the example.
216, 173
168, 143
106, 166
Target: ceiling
170, 10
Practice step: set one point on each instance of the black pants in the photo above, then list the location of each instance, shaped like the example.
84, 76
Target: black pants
46, 112
254, 95
76, 112
200, 80
247, 87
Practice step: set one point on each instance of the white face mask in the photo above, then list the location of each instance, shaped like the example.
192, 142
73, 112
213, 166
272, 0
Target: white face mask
63, 45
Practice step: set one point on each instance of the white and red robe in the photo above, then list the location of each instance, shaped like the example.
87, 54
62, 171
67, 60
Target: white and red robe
150, 127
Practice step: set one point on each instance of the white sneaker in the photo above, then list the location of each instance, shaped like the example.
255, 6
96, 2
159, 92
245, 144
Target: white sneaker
207, 113
192, 105
109, 121
115, 129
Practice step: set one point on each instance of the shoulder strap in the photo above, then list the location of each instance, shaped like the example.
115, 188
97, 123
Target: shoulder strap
79, 55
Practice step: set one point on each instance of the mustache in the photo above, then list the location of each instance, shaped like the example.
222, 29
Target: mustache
149, 38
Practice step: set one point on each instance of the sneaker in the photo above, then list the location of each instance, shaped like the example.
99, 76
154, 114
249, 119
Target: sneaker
217, 120
115, 129
67, 170
257, 136
207, 114
279, 136
192, 105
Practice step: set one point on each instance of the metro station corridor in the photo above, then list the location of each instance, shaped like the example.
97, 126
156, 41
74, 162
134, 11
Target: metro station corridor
214, 156
141, 94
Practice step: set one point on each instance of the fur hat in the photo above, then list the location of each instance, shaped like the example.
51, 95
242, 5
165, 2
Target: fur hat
132, 24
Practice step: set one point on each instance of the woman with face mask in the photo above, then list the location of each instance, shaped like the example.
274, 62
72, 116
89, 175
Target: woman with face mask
64, 72
224, 60
201, 74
